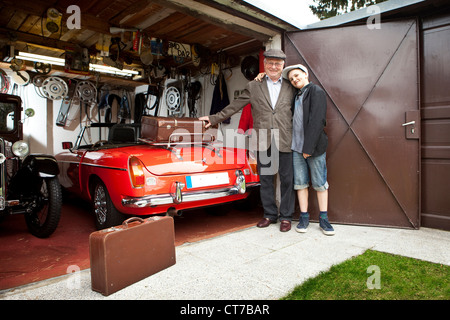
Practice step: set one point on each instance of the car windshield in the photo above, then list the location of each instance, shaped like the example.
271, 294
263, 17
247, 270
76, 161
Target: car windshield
7, 116
116, 135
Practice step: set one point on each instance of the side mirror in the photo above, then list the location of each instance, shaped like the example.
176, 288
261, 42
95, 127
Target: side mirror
67, 145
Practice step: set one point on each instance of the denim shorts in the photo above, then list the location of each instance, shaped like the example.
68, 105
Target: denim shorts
313, 168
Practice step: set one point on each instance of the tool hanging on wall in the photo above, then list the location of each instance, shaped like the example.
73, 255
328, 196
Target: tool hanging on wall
124, 109
194, 91
66, 107
107, 101
142, 100
19, 76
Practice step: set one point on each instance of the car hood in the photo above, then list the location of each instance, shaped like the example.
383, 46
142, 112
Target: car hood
189, 159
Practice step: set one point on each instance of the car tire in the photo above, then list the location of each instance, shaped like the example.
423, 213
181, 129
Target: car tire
106, 215
43, 223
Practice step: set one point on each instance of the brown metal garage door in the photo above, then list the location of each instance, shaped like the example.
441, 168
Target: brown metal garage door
436, 122
371, 80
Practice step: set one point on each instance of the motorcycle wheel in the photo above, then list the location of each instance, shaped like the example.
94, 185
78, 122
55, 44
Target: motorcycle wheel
43, 223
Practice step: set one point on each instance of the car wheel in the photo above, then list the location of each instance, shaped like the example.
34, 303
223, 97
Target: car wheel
106, 215
43, 221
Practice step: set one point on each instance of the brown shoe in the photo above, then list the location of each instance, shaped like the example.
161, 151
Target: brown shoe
265, 222
285, 226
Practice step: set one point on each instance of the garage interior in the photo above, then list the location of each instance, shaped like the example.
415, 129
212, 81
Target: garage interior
161, 41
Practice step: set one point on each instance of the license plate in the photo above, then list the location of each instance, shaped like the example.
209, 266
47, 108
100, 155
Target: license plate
207, 180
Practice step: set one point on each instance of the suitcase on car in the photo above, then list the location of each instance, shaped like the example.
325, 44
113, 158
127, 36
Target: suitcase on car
137, 249
174, 130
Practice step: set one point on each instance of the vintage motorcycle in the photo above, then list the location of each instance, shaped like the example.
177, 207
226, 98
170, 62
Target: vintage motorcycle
28, 182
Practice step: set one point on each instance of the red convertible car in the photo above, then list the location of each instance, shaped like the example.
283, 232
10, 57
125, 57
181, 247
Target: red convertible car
129, 176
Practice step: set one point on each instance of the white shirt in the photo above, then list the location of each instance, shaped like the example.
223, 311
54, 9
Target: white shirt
274, 90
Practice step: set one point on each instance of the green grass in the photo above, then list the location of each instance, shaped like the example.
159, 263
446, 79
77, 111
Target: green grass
400, 278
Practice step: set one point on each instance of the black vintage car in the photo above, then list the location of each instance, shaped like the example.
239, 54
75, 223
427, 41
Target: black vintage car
28, 182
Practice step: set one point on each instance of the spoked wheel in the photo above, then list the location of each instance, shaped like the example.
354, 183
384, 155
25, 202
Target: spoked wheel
42, 222
106, 215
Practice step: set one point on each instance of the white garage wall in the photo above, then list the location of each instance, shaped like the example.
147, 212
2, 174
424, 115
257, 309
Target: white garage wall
35, 128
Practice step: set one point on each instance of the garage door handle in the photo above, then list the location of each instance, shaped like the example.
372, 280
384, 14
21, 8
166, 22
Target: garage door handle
408, 123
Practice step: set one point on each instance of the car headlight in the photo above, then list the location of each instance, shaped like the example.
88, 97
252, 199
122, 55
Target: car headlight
20, 148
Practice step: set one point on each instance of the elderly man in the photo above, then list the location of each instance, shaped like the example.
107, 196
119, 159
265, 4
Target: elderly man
271, 101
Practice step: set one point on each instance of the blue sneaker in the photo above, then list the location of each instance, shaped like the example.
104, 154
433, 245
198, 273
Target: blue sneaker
303, 224
326, 227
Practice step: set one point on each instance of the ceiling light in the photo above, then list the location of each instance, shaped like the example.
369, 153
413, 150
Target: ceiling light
112, 70
61, 62
40, 58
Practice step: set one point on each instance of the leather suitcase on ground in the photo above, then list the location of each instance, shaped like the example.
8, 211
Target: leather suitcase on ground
137, 249
174, 130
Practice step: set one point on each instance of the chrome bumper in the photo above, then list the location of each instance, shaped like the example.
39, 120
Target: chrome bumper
177, 196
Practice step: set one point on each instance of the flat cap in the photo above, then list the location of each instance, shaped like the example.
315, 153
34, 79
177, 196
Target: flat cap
275, 53
286, 70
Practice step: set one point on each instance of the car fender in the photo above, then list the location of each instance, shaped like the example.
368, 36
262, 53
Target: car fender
41, 164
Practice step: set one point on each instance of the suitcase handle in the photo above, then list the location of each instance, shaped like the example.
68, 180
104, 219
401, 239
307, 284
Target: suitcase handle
125, 223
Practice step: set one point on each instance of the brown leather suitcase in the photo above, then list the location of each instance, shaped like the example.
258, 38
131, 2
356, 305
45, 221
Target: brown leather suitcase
174, 130
137, 249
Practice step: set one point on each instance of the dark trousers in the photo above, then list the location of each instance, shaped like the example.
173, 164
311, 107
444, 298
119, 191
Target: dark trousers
270, 163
